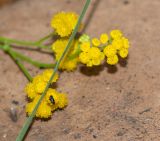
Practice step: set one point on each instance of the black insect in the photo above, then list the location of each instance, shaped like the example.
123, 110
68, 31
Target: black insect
52, 99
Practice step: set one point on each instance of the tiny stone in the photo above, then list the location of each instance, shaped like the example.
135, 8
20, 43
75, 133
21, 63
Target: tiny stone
66, 131
13, 114
126, 2
4, 135
15, 102
94, 136
68, 1
121, 132
77, 136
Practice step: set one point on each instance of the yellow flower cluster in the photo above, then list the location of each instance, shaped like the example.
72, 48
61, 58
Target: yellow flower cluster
119, 46
52, 100
85, 50
67, 63
64, 22
90, 55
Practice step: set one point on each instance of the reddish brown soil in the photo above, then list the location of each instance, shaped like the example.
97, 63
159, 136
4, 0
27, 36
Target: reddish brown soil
105, 104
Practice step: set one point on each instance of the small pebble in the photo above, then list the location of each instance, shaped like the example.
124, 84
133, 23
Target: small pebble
13, 114
15, 102
94, 136
126, 2
77, 136
4, 135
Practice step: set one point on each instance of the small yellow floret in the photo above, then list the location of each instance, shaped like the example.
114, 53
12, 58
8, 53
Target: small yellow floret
115, 34
95, 42
40, 86
47, 74
29, 89
30, 107
104, 38
110, 50
37, 78
96, 62
44, 110
56, 100
123, 53
84, 38
58, 48
52, 93
83, 57
85, 46
94, 53
70, 64
93, 57
117, 43
112, 60
125, 42
89, 63
63, 101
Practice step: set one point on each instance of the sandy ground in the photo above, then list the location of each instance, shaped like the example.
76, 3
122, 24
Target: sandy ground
105, 104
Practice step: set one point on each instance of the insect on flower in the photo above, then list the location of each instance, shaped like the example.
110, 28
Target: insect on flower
52, 99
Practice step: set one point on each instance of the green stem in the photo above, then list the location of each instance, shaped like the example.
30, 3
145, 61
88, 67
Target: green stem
46, 37
27, 59
77, 52
21, 66
33, 62
31, 117
22, 43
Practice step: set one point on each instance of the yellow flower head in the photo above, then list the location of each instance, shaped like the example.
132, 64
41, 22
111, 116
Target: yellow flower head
56, 100
112, 60
92, 57
52, 97
85, 46
83, 57
39, 83
110, 50
69, 64
123, 52
117, 43
47, 74
63, 101
64, 23
58, 48
84, 38
40, 86
95, 42
125, 42
104, 38
115, 34
30, 91
30, 107
52, 101
94, 53
44, 110
37, 78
